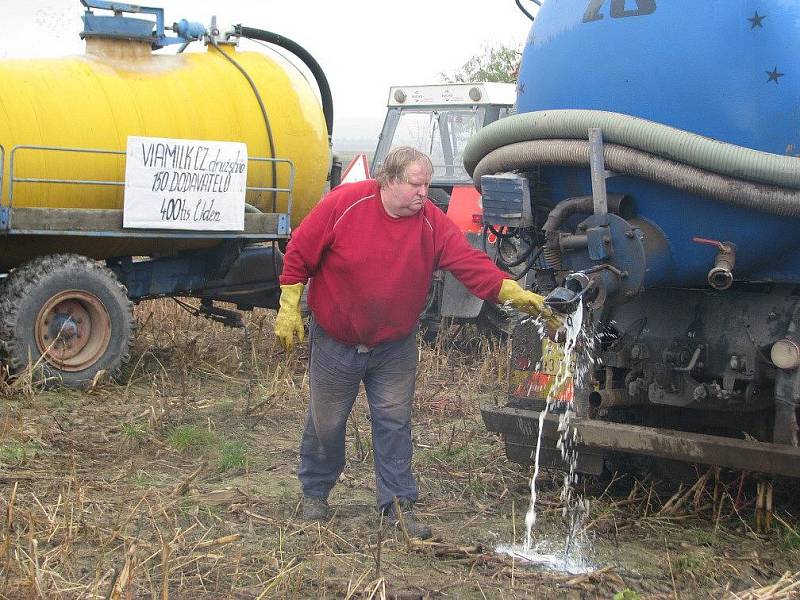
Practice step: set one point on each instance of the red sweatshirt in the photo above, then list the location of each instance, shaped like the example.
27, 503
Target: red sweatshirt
371, 272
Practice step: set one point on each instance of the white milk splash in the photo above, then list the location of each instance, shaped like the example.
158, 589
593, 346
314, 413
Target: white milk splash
567, 555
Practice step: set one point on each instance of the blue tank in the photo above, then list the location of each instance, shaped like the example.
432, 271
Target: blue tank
725, 69
690, 275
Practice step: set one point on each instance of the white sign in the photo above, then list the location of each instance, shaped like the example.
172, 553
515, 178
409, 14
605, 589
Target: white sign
184, 184
357, 170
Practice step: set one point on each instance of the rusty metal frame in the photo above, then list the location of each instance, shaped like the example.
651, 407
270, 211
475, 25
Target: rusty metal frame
596, 435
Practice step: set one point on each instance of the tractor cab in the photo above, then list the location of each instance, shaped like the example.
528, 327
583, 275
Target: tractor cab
439, 120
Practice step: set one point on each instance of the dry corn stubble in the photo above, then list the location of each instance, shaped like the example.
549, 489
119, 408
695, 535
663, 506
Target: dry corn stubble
97, 500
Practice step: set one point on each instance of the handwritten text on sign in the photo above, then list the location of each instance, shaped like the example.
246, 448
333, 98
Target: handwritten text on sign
185, 184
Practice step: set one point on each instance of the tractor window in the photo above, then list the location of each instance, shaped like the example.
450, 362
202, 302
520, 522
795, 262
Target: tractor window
462, 125
440, 134
416, 129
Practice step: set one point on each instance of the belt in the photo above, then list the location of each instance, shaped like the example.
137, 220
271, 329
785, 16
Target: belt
362, 349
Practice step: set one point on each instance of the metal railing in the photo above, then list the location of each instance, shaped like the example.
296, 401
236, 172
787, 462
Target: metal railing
14, 179
288, 191
2, 167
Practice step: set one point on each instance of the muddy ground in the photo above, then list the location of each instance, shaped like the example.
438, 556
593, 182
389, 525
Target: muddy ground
180, 482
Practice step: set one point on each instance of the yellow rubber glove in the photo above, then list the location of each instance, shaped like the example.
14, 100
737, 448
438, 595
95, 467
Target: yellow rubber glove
289, 320
528, 302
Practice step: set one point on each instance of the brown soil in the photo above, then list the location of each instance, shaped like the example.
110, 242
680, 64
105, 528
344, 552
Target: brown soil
180, 482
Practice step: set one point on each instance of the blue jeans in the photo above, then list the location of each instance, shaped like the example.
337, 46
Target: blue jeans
335, 371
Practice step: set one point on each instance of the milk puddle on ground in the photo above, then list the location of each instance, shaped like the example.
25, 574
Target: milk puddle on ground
567, 553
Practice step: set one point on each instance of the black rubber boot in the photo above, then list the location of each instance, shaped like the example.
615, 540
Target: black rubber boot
315, 509
407, 520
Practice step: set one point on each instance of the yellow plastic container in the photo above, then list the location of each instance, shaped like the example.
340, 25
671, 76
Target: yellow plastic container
120, 88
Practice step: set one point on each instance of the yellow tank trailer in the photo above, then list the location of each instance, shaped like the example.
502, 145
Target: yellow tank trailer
64, 128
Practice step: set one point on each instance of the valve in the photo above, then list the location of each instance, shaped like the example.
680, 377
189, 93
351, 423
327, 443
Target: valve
720, 277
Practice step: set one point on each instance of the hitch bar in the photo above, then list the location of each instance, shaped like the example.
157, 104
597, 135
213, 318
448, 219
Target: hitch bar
597, 436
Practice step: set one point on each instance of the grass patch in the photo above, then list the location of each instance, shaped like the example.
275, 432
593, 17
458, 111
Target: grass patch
457, 456
145, 479
627, 594
186, 438
135, 431
15, 453
789, 539
690, 562
705, 538
232, 455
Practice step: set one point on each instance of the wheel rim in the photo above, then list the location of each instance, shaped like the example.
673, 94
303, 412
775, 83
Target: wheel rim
73, 330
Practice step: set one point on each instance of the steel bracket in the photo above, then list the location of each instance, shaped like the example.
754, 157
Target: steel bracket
284, 228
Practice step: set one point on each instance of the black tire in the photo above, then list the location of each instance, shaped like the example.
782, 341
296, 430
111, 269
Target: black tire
70, 309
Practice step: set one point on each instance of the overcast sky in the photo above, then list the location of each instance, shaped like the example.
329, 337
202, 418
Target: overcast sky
364, 46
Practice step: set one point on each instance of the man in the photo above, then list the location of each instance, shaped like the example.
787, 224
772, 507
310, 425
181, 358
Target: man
370, 249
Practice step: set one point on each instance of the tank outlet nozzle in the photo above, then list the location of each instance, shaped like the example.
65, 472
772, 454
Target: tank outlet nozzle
720, 277
565, 299
562, 300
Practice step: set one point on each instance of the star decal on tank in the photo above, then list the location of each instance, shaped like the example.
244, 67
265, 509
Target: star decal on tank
774, 75
756, 20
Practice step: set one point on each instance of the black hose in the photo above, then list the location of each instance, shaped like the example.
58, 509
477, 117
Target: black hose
532, 258
500, 234
308, 60
565, 208
529, 260
513, 263
264, 115
581, 204
529, 256
525, 10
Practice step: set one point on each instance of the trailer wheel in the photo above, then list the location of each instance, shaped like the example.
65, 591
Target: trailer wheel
67, 317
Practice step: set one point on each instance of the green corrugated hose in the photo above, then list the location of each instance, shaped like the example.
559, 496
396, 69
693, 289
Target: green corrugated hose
648, 136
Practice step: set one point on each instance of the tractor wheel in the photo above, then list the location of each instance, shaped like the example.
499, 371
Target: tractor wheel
67, 317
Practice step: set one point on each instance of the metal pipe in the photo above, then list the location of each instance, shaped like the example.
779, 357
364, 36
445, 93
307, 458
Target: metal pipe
721, 276
598, 170
607, 398
562, 211
573, 242
583, 204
